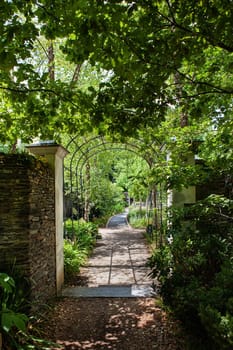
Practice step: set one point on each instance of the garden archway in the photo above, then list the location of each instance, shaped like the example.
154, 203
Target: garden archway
82, 150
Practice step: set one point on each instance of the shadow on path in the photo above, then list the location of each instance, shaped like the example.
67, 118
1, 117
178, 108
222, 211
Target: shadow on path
117, 266
113, 323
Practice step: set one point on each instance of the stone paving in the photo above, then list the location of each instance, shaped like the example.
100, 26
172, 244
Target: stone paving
117, 266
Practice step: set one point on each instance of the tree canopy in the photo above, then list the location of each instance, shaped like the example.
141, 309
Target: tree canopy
160, 55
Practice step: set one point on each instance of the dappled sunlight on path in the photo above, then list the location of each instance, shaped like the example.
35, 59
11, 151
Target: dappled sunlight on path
120, 324
118, 259
121, 257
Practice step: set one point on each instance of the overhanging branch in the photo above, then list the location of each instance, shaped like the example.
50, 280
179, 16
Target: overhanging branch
42, 90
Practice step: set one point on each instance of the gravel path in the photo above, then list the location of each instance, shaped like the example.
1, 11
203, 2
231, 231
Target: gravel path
112, 323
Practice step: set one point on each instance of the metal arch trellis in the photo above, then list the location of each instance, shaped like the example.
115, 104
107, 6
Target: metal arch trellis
79, 176
83, 153
79, 148
90, 152
84, 158
87, 150
98, 137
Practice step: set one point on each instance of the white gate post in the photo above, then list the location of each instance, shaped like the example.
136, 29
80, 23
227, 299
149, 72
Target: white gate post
55, 155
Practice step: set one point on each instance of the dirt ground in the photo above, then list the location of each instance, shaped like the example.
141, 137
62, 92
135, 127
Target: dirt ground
112, 323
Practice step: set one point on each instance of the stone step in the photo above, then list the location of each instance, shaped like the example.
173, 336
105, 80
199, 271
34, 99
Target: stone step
110, 291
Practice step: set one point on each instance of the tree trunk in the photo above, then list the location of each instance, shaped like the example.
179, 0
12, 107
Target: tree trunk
179, 95
51, 62
76, 74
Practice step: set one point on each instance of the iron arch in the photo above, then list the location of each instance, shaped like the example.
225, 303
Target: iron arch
80, 153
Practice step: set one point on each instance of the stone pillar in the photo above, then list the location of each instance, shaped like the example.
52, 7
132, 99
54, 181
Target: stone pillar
55, 155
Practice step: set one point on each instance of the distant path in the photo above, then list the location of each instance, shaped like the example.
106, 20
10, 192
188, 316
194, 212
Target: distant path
118, 220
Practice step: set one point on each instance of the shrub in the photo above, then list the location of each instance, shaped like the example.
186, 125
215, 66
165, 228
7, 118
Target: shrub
74, 258
137, 217
216, 308
11, 321
17, 327
81, 237
79, 230
100, 221
195, 272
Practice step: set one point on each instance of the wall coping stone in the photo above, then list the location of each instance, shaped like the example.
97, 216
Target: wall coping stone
42, 149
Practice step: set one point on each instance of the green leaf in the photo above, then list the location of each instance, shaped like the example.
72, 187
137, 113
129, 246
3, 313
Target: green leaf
10, 319
6, 282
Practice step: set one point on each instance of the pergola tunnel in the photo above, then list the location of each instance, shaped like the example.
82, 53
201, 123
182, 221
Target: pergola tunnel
78, 175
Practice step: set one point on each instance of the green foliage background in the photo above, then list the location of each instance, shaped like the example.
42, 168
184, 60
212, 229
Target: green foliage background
158, 71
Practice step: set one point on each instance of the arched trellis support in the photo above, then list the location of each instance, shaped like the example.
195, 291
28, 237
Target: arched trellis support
80, 166
80, 154
81, 151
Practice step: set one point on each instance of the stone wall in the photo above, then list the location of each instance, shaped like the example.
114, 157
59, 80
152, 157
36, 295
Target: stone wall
27, 222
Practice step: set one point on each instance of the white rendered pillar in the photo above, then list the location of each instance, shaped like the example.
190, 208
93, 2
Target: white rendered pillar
55, 155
